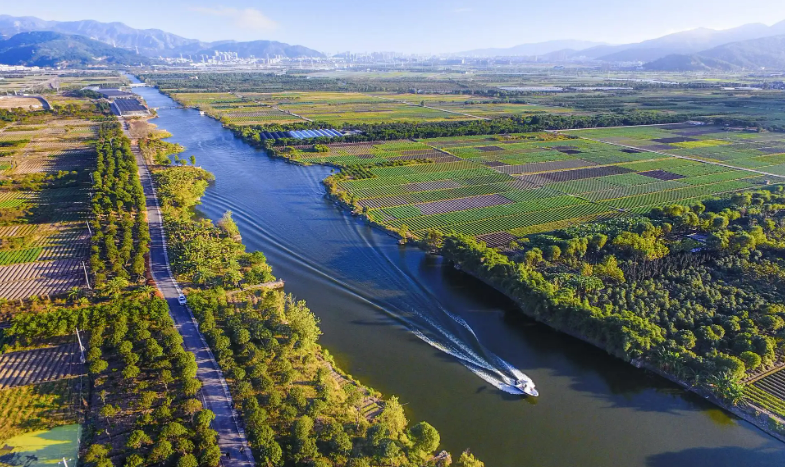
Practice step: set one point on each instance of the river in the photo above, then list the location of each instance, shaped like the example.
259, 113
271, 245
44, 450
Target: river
409, 325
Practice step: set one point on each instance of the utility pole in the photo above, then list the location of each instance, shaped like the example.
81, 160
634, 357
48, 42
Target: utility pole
81, 347
85, 276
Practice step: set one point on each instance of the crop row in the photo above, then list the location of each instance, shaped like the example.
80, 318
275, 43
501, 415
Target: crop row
487, 214
27, 255
530, 219
670, 196
764, 400
35, 366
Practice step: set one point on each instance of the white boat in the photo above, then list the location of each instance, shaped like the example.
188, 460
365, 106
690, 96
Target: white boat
526, 385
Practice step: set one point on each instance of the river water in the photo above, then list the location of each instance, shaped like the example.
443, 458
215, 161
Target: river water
409, 325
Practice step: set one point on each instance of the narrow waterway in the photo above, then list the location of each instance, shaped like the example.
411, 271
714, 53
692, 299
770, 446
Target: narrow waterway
409, 325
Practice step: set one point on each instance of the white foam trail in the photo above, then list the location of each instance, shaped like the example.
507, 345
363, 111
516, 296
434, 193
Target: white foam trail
498, 374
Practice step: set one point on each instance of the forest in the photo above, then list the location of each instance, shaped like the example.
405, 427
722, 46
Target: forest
693, 290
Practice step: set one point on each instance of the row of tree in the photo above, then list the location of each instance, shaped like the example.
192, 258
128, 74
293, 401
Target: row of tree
120, 234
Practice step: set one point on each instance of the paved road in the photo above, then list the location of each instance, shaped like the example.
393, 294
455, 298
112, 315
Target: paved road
216, 395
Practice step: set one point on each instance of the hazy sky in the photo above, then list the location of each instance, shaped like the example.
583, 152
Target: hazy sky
411, 25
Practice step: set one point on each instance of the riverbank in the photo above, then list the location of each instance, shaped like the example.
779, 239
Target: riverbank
265, 343
362, 286
763, 419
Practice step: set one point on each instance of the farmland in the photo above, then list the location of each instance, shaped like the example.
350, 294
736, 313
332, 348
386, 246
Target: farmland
291, 107
519, 184
37, 407
43, 205
40, 365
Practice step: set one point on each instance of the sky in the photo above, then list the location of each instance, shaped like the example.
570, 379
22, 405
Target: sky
411, 26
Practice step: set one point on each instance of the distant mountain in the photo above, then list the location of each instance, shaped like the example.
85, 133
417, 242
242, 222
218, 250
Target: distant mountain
149, 42
687, 42
680, 43
46, 48
528, 50
258, 49
768, 52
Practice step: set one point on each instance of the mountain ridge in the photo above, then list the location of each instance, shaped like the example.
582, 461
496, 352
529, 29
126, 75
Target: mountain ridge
149, 42
48, 48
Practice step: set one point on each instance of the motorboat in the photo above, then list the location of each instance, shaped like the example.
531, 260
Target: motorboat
526, 385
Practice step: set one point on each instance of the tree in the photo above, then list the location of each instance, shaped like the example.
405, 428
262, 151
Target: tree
173, 430
210, 457
137, 439
303, 444
161, 451
191, 407
98, 366
425, 439
109, 411
116, 285
134, 460
187, 460
204, 418
228, 225
166, 378
130, 372
96, 452
191, 386
552, 253
467, 459
433, 240
392, 416
751, 360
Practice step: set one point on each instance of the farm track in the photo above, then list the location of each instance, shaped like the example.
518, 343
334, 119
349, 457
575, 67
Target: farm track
39, 365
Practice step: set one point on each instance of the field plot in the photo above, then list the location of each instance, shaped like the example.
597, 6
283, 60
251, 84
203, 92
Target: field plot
768, 392
39, 365
336, 108
478, 106
44, 237
13, 102
235, 109
518, 184
31, 409
763, 152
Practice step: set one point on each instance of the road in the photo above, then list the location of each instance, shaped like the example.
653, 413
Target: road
215, 392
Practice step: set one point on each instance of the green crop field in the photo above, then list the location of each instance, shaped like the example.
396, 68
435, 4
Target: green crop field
530, 183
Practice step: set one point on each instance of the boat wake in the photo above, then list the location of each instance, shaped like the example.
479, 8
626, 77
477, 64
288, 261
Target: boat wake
337, 249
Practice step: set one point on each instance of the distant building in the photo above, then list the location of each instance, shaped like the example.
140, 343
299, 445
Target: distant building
110, 93
129, 108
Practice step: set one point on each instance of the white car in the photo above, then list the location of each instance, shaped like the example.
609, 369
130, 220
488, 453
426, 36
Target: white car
181, 300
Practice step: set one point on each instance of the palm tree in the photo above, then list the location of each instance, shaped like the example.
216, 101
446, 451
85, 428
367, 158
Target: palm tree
115, 286
74, 293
